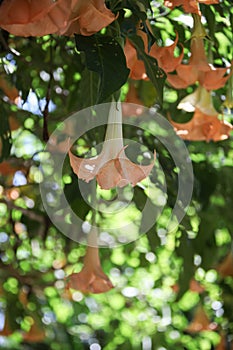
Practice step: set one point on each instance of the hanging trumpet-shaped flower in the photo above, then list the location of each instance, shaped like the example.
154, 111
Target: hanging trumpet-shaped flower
189, 6
163, 54
63, 17
200, 99
132, 104
136, 66
200, 322
226, 267
91, 279
111, 167
205, 124
198, 68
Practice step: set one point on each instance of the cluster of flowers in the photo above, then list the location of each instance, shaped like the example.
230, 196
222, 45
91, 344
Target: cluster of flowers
62, 17
112, 168
205, 124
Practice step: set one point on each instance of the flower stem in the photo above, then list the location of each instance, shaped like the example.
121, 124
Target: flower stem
198, 28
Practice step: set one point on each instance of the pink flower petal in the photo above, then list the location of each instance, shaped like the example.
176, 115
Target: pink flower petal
203, 127
108, 176
186, 75
91, 279
85, 169
63, 17
131, 172
165, 56
215, 79
118, 171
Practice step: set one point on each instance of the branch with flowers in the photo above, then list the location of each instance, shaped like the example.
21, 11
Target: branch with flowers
140, 58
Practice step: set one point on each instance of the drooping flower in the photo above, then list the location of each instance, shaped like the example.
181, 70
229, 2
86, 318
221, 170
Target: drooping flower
200, 322
199, 69
111, 167
200, 99
63, 17
136, 66
189, 6
205, 124
226, 267
36, 333
203, 127
132, 105
91, 279
163, 54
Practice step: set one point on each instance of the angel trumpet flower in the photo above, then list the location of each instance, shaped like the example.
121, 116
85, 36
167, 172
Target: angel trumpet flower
226, 267
189, 6
205, 124
200, 322
62, 17
201, 99
132, 104
111, 167
91, 279
199, 69
163, 54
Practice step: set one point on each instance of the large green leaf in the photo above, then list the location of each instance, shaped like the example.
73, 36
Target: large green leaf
105, 56
88, 88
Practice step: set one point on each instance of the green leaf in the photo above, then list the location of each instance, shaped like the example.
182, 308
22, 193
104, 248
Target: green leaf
104, 56
154, 72
88, 88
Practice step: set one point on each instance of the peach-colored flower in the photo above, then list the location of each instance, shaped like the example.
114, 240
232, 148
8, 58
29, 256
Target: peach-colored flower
136, 66
226, 266
189, 6
198, 68
203, 127
63, 17
205, 124
200, 322
111, 167
200, 99
91, 279
164, 55
132, 105
36, 333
